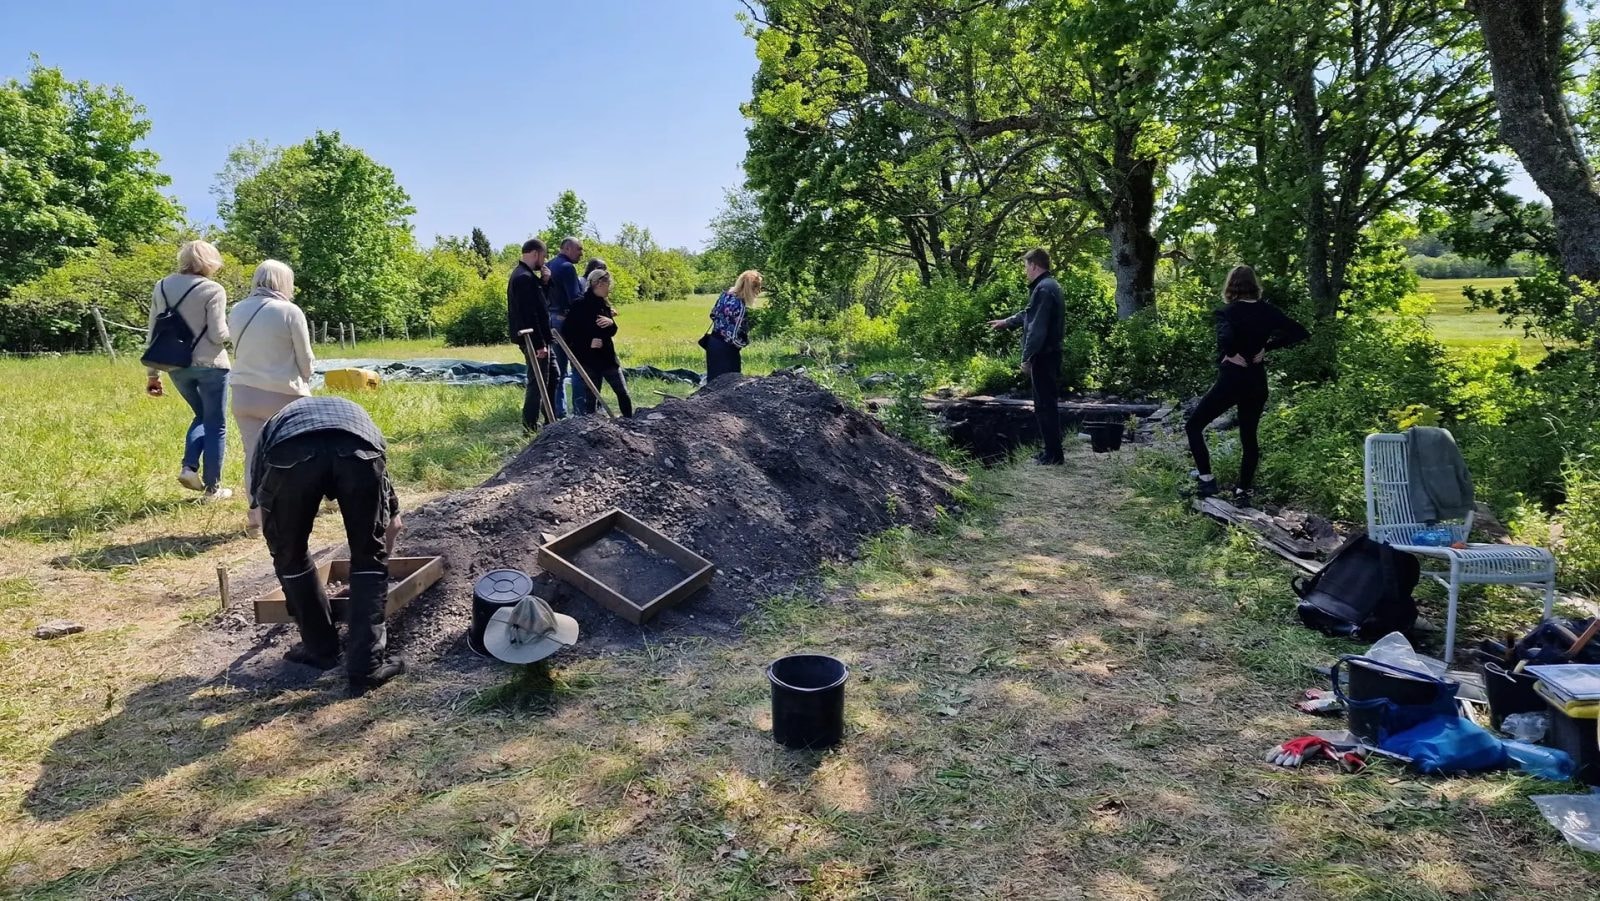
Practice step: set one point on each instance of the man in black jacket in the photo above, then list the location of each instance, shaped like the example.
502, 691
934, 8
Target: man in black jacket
1042, 324
529, 322
312, 449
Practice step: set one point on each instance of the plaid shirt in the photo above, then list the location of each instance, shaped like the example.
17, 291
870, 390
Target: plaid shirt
316, 414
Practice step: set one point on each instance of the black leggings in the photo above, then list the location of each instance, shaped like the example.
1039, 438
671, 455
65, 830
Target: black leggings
619, 385
1237, 386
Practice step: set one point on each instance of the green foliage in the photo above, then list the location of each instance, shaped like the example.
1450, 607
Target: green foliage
52, 312
71, 174
481, 250
948, 321
476, 315
569, 218
1579, 548
442, 273
334, 215
1546, 304
1168, 348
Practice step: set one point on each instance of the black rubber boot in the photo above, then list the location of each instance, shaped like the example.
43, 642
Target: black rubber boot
307, 600
1241, 498
367, 661
1205, 488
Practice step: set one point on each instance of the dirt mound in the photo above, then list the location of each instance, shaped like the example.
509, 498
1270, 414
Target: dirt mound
766, 477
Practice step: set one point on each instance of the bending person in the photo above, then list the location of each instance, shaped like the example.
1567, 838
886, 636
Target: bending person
203, 384
1247, 328
328, 447
589, 331
272, 359
730, 327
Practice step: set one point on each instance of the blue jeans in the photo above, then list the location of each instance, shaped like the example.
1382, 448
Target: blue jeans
567, 372
206, 390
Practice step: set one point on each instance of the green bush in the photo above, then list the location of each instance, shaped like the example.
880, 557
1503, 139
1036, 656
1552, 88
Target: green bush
1169, 348
476, 315
1579, 547
51, 313
993, 375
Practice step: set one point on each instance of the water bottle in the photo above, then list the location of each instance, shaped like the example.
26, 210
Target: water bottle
1537, 760
1433, 536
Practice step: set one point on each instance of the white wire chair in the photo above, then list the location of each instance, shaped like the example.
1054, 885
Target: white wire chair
1391, 521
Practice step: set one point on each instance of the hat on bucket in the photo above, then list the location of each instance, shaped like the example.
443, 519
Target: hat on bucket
528, 632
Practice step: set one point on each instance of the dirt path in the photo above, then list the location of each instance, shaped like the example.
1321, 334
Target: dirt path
1064, 697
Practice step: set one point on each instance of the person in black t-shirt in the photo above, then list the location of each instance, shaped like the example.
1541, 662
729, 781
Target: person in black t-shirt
1247, 328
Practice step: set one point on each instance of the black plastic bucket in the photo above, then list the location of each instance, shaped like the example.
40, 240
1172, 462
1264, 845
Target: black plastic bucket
1509, 693
493, 590
807, 701
1372, 683
1104, 437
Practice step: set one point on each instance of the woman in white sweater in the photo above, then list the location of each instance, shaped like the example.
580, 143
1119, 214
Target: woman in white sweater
203, 384
272, 359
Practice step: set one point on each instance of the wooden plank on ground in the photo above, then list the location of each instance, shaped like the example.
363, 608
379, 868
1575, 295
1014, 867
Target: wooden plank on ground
1293, 550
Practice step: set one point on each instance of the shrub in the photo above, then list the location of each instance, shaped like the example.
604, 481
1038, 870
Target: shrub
476, 315
1579, 547
1167, 348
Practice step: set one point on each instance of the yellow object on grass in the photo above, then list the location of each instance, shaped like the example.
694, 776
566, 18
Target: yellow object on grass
350, 379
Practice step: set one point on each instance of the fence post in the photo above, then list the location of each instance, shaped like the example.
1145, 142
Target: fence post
352, 336
100, 327
341, 336
381, 335
324, 331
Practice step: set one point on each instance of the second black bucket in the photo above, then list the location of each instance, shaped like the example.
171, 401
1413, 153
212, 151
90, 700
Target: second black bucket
1104, 437
807, 701
494, 589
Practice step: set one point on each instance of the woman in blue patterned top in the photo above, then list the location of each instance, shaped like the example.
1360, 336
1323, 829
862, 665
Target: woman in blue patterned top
730, 330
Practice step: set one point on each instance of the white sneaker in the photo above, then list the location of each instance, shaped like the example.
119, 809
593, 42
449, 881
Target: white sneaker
191, 480
216, 494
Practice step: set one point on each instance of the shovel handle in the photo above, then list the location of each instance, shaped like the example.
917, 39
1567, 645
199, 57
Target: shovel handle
1584, 639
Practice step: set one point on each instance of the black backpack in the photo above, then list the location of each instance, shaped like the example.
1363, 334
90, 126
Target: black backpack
171, 340
1364, 591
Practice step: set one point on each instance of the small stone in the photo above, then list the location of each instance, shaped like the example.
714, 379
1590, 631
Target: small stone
655, 417
57, 628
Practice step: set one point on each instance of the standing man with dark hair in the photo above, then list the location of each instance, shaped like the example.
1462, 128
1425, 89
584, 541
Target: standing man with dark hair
312, 449
565, 288
529, 321
1042, 324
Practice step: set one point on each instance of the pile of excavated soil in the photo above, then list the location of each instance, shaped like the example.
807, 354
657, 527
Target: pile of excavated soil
766, 477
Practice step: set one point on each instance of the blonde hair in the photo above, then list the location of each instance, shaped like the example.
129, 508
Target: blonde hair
273, 277
598, 276
199, 258
747, 286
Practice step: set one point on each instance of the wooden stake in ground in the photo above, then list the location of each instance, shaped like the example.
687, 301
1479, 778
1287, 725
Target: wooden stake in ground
223, 588
105, 340
578, 368
536, 372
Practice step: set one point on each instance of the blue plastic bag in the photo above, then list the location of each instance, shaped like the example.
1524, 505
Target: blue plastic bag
1537, 760
1448, 745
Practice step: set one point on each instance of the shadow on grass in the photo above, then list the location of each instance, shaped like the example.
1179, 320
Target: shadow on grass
112, 556
164, 727
60, 525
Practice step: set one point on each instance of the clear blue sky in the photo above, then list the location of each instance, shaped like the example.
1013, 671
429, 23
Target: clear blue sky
484, 110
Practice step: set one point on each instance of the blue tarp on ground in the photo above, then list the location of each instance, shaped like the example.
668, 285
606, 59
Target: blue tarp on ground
476, 372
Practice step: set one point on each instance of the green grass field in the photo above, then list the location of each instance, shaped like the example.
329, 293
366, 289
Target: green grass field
1459, 326
100, 453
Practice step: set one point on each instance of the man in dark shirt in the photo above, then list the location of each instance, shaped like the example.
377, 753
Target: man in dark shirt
1042, 324
528, 320
565, 287
328, 447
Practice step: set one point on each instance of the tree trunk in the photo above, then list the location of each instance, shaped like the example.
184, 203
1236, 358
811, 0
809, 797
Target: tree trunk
1133, 247
1524, 40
